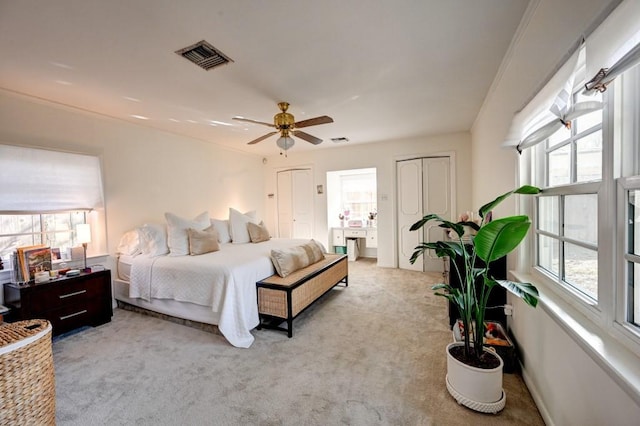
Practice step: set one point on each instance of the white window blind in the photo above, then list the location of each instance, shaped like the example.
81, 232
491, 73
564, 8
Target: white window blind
44, 181
608, 51
613, 47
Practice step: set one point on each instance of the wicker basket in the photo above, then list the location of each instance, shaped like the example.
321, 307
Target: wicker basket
27, 381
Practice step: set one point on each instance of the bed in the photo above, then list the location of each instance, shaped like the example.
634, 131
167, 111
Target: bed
213, 288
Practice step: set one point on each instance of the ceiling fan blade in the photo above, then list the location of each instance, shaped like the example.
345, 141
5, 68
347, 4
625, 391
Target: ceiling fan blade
248, 120
261, 138
307, 137
314, 121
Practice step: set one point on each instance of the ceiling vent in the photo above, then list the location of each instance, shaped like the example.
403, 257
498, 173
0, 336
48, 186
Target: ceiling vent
339, 140
204, 55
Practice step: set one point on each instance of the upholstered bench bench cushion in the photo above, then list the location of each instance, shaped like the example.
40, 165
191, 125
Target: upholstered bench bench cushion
292, 259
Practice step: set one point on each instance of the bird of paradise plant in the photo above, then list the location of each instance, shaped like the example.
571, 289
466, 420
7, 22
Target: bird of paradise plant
493, 240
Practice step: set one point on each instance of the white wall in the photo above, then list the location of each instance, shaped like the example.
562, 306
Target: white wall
382, 156
568, 385
146, 172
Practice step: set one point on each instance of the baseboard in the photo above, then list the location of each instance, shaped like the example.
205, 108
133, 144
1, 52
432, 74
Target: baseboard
537, 398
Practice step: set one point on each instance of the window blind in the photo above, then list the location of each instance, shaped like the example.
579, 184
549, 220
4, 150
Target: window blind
45, 181
613, 47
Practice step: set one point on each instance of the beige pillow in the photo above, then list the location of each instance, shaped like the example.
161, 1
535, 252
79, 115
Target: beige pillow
291, 259
258, 233
201, 242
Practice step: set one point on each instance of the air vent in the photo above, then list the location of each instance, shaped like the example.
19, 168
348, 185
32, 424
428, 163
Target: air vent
339, 140
204, 55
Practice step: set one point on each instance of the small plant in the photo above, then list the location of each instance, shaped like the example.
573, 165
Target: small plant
493, 240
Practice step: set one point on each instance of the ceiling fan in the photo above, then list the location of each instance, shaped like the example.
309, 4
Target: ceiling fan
285, 124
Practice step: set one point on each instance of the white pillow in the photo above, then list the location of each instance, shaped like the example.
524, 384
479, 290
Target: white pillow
238, 225
222, 226
153, 239
177, 237
129, 243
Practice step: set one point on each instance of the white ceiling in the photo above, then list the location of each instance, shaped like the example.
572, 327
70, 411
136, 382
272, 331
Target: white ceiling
384, 70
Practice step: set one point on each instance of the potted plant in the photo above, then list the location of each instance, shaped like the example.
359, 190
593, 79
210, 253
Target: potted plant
469, 363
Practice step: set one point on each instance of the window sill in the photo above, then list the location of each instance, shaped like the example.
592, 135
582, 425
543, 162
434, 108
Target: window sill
616, 359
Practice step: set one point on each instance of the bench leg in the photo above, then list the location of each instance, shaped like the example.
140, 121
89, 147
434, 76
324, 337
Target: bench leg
290, 327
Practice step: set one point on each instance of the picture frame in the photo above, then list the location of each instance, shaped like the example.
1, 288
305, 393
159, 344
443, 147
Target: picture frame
55, 254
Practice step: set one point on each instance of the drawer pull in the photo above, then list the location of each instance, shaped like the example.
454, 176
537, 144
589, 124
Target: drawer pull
84, 311
64, 296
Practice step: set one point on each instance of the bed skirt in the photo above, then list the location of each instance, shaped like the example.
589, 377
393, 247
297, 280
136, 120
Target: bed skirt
178, 310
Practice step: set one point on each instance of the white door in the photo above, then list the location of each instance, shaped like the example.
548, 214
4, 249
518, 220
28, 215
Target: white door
302, 185
409, 179
285, 205
295, 203
436, 191
424, 186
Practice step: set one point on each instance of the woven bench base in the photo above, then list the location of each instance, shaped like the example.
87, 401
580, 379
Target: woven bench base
285, 298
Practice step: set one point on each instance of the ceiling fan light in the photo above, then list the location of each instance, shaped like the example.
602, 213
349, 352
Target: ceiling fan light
285, 143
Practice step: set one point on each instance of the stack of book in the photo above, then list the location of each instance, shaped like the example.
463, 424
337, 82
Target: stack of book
30, 260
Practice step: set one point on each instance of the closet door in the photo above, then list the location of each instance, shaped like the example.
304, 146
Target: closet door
436, 199
295, 203
302, 186
409, 179
285, 205
424, 186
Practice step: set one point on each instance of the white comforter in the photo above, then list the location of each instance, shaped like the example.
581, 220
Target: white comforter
225, 280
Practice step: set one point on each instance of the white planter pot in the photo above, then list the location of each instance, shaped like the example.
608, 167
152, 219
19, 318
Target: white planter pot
477, 388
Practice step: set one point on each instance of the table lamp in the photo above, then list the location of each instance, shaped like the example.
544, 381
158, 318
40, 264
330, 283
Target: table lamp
83, 236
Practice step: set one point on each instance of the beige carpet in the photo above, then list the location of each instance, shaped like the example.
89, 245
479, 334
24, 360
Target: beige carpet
368, 354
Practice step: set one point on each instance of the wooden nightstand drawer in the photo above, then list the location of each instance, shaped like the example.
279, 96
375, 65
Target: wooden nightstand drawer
56, 294
67, 303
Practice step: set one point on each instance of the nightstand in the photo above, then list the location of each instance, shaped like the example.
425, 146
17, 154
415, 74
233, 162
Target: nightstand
67, 302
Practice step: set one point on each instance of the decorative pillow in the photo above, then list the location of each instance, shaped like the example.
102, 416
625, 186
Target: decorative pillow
291, 259
222, 226
238, 225
130, 243
201, 242
258, 233
177, 238
153, 239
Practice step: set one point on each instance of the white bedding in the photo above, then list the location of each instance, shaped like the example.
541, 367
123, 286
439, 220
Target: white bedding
224, 280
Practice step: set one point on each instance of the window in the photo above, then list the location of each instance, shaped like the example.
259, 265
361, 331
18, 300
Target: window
587, 220
54, 230
631, 262
44, 194
353, 191
570, 170
358, 195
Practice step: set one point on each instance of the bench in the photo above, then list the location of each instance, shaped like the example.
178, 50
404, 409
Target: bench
285, 298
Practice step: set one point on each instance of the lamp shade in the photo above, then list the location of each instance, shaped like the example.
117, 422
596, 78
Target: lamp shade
285, 142
83, 233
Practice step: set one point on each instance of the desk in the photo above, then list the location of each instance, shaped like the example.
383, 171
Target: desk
367, 238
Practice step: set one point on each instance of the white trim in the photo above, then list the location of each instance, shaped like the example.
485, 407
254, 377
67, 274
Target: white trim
618, 361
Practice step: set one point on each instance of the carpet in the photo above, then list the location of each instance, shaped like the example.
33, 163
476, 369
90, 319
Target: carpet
368, 354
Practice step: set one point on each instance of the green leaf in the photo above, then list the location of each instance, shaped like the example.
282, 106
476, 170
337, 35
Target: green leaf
525, 190
526, 291
444, 223
419, 224
498, 238
441, 249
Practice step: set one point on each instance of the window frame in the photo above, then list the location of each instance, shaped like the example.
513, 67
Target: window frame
620, 170
42, 233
